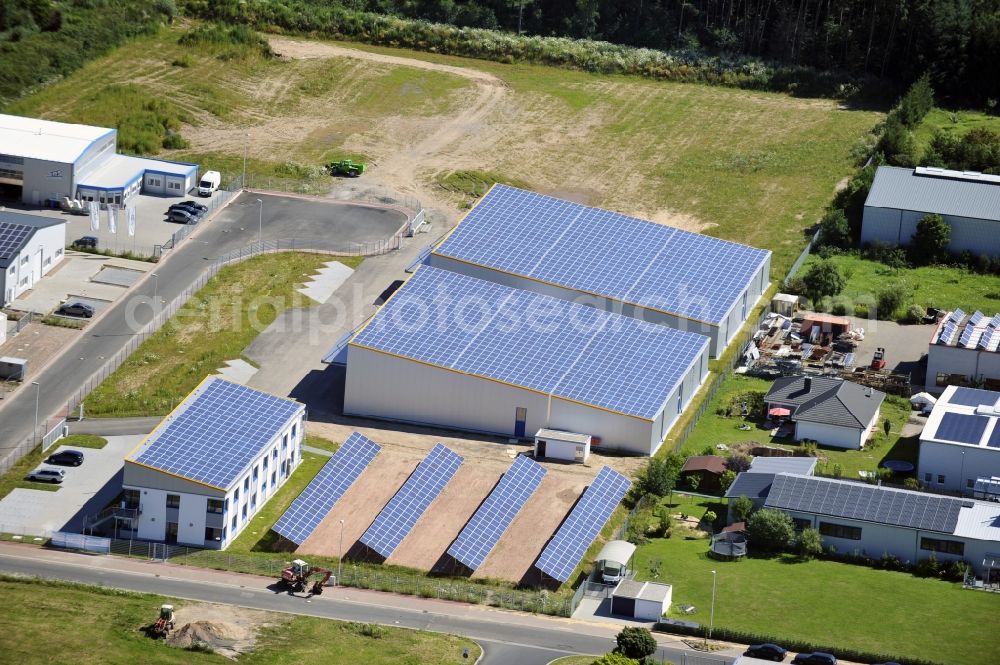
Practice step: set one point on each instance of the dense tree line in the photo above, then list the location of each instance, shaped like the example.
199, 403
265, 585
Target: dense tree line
957, 41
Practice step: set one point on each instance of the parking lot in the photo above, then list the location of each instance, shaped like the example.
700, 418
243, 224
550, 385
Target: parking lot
87, 489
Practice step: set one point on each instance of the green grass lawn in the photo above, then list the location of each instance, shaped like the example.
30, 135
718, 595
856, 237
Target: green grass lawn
51, 622
15, 477
931, 286
957, 123
574, 660
83, 441
827, 602
714, 429
215, 325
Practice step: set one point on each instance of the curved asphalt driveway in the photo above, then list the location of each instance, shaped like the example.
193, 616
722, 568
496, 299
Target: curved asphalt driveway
316, 224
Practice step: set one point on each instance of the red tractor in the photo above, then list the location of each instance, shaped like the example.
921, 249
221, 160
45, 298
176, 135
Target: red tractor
164, 623
298, 575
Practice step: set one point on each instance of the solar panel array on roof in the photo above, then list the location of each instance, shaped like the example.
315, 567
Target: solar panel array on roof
574, 352
604, 253
11, 238
948, 333
325, 490
217, 432
973, 397
481, 534
957, 315
860, 501
409, 503
970, 337
976, 318
567, 547
961, 428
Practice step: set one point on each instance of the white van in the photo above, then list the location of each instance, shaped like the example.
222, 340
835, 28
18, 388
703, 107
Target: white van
209, 183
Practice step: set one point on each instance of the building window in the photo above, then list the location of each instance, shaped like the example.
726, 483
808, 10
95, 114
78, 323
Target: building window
213, 535
265, 465
970, 483
940, 479
253, 501
131, 499
944, 546
840, 531
294, 430
927, 477
801, 524
173, 501
236, 496
246, 484
215, 506
274, 478
244, 512
284, 442
233, 524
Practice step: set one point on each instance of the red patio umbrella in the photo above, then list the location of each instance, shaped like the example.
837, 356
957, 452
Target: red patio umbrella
779, 411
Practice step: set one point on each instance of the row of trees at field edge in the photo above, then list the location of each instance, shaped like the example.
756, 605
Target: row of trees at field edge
957, 41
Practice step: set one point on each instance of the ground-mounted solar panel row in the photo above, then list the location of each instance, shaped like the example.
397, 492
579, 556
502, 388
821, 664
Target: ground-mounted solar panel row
411, 501
482, 532
332, 481
566, 548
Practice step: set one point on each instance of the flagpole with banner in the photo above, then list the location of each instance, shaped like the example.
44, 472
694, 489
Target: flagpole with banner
130, 215
95, 216
113, 222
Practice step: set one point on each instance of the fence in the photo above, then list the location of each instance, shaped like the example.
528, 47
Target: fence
57, 432
803, 256
78, 541
52, 434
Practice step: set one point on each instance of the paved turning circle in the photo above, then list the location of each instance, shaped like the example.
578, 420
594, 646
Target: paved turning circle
561, 556
481, 534
319, 497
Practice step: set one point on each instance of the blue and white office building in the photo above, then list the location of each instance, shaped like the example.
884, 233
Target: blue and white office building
49, 160
211, 465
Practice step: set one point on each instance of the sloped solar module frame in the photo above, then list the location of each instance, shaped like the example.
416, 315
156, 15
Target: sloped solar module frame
567, 547
976, 317
482, 532
324, 491
958, 315
411, 500
961, 428
994, 440
604, 253
11, 238
217, 432
860, 501
973, 397
576, 352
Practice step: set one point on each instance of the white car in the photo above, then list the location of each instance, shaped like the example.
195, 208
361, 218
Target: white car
47, 475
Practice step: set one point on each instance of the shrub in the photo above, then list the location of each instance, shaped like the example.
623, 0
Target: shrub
726, 480
890, 562
917, 102
916, 313
710, 517
890, 298
929, 567
665, 522
770, 529
956, 571
912, 484
810, 543
742, 508
738, 463
823, 279
835, 231
660, 475
636, 642
615, 658
930, 242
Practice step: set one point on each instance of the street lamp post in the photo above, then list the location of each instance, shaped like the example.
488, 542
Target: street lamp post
38, 390
156, 284
340, 555
260, 224
711, 615
246, 144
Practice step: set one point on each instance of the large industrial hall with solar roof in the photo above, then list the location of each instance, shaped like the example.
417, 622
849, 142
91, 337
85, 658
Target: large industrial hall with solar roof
211, 465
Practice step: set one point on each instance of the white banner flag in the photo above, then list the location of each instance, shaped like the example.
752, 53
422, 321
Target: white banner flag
113, 218
131, 221
95, 216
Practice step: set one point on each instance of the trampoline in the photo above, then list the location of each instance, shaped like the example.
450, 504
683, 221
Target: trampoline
898, 465
729, 546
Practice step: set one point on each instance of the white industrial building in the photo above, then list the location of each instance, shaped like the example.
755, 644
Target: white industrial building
830, 411
963, 352
30, 247
901, 197
454, 351
610, 261
211, 465
46, 161
960, 444
861, 519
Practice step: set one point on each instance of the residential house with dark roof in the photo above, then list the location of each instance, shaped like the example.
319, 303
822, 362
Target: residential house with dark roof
755, 483
831, 412
708, 469
30, 247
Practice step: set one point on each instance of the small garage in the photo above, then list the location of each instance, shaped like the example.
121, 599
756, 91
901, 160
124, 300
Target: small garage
645, 601
569, 446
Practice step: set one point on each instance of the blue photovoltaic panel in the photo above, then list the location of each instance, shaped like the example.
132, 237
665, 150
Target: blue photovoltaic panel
567, 547
325, 490
405, 508
526, 339
217, 432
976, 318
973, 397
994, 440
961, 428
957, 315
605, 253
11, 238
481, 534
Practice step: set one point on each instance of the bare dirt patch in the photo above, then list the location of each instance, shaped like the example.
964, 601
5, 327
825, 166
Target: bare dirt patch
228, 630
676, 219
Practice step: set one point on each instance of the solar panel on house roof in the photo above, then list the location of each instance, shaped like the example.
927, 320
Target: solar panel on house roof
860, 501
973, 397
567, 547
482, 532
11, 238
604, 253
987, 337
994, 440
995, 321
961, 428
526, 339
976, 318
409, 503
957, 315
324, 491
216, 432
970, 337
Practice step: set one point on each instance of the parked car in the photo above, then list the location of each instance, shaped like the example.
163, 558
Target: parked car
766, 652
86, 241
815, 658
47, 475
66, 458
76, 309
181, 217
193, 205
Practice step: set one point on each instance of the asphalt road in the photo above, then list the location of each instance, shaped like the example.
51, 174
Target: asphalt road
506, 637
315, 224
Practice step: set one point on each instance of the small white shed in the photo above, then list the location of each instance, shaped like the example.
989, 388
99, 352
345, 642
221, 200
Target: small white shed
555, 444
784, 304
646, 601
924, 402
